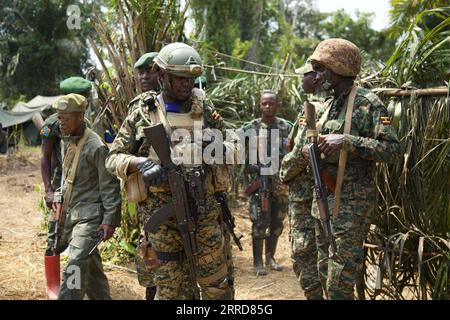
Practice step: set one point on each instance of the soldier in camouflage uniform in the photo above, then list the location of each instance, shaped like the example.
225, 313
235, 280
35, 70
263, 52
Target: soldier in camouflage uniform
268, 227
337, 63
177, 106
148, 78
301, 222
51, 158
93, 204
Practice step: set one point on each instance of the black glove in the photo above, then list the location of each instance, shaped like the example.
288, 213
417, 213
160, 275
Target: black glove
152, 173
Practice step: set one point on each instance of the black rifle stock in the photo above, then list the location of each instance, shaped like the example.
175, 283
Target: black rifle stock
180, 206
317, 168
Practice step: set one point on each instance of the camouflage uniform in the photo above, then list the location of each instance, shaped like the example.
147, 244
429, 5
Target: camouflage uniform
263, 226
95, 200
301, 222
172, 275
371, 139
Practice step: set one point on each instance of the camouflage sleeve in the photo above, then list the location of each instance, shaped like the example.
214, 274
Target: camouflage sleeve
121, 150
109, 189
378, 140
294, 163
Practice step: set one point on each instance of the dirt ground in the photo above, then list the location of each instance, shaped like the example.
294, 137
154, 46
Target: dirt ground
22, 243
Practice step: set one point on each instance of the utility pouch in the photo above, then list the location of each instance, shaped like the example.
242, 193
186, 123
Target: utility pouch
148, 254
135, 189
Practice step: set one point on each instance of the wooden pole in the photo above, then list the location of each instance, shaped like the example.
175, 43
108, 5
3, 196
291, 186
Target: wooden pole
438, 91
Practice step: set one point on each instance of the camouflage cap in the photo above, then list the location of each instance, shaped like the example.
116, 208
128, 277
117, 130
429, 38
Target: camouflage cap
339, 55
306, 68
70, 103
75, 85
146, 60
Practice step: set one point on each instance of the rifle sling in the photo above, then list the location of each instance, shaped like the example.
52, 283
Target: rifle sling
73, 169
343, 153
159, 217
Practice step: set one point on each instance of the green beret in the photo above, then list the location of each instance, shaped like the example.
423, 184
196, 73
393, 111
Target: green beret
307, 68
75, 85
70, 103
145, 60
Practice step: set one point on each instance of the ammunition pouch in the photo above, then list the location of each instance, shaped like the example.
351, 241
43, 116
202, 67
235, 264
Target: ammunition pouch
148, 254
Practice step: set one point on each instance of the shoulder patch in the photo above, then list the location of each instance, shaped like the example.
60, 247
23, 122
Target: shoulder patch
385, 120
216, 116
302, 121
45, 131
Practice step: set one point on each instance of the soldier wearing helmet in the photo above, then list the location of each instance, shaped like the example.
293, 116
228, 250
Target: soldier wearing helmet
132, 159
370, 138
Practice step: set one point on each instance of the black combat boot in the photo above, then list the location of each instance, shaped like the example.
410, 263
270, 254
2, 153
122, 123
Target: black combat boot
150, 293
258, 265
271, 247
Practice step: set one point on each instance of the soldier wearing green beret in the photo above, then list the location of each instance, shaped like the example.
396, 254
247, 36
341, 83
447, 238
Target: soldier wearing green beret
147, 76
51, 159
91, 206
148, 79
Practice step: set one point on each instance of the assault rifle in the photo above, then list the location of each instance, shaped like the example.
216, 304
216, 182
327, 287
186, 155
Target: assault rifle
180, 206
228, 217
320, 175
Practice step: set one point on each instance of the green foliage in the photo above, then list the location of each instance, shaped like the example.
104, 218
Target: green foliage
422, 58
37, 50
376, 44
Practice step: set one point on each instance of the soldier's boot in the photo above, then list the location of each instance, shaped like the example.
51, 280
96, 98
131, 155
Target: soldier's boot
258, 265
150, 293
271, 247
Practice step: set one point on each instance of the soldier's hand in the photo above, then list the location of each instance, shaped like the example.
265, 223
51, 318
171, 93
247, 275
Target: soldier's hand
108, 231
330, 144
49, 198
305, 152
152, 173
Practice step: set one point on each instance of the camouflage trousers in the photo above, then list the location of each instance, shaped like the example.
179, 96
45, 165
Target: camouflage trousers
229, 257
172, 278
83, 273
339, 276
304, 250
264, 225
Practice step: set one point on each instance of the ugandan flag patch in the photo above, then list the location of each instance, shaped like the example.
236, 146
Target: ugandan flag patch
45, 131
385, 120
302, 121
216, 116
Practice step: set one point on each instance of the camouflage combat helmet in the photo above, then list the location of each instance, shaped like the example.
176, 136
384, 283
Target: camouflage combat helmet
180, 60
339, 55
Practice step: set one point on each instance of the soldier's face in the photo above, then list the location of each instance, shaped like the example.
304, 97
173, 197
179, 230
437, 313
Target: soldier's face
148, 79
70, 122
309, 84
178, 88
269, 105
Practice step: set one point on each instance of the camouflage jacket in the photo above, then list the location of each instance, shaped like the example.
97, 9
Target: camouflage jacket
371, 139
95, 191
284, 128
131, 141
